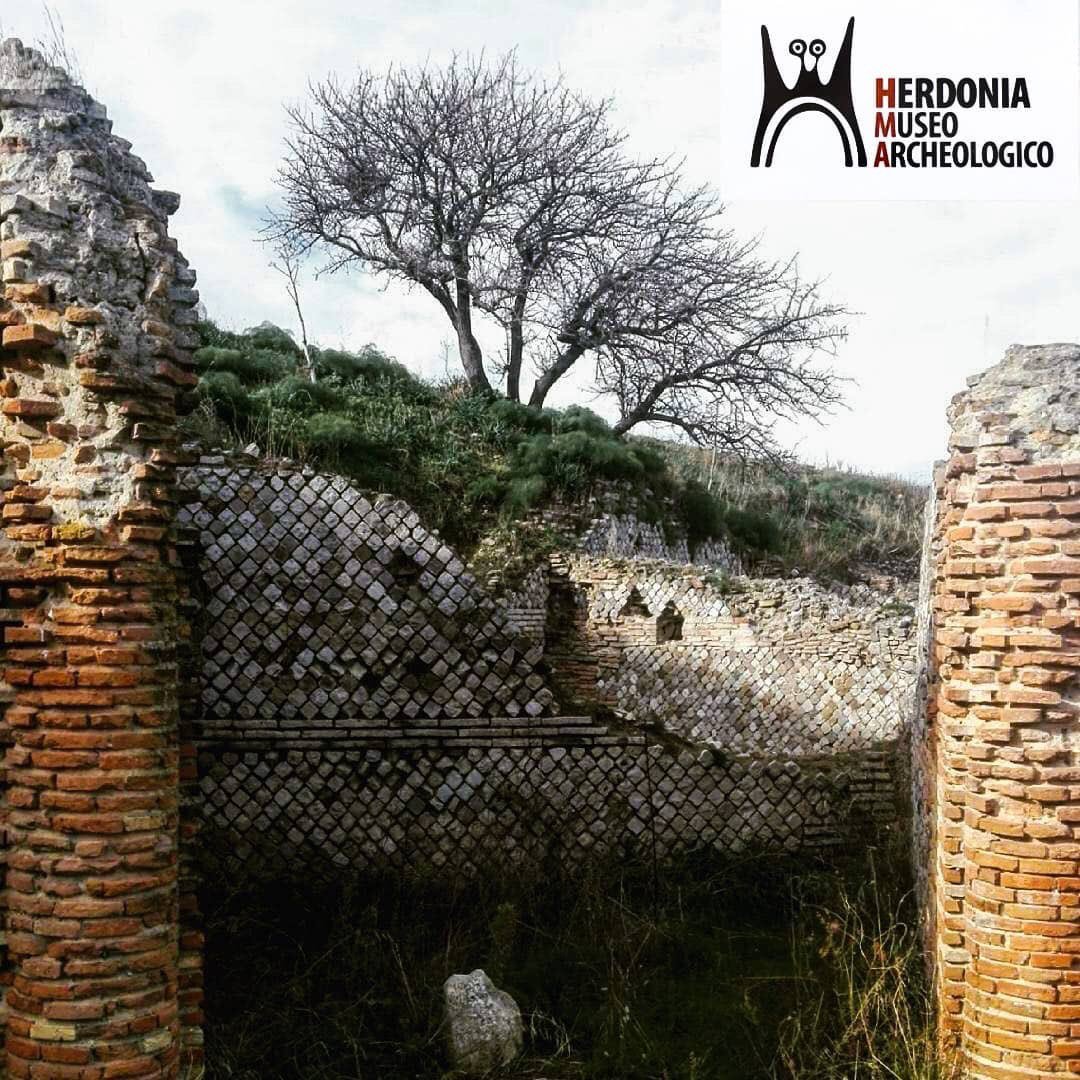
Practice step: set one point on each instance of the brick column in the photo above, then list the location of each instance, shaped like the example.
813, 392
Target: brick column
1004, 700
94, 309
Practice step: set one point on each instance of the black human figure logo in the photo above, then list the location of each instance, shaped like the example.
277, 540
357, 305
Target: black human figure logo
809, 94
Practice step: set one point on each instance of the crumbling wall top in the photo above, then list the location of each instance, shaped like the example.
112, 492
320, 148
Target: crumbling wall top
42, 109
97, 299
1029, 400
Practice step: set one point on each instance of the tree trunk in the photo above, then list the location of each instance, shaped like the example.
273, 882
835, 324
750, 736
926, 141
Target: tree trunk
517, 349
472, 357
553, 374
309, 363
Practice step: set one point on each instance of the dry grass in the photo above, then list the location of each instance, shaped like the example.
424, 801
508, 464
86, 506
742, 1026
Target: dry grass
829, 522
863, 1008
752, 969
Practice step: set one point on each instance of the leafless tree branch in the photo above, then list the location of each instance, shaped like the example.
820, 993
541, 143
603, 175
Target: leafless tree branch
500, 194
286, 262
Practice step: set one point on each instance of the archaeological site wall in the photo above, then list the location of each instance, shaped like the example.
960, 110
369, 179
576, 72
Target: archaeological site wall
97, 303
750, 665
998, 746
624, 536
366, 704
220, 666
232, 668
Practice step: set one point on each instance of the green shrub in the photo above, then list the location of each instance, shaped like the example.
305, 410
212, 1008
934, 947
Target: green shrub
301, 395
252, 367
704, 516
825, 521
525, 493
470, 463
336, 436
515, 417
490, 490
578, 418
224, 391
369, 364
273, 339
753, 530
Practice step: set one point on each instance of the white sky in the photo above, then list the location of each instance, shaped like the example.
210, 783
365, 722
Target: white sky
198, 87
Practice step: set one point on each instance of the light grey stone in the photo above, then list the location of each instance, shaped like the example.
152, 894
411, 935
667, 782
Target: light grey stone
483, 1024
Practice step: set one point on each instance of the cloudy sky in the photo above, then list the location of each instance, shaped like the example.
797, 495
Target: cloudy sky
198, 87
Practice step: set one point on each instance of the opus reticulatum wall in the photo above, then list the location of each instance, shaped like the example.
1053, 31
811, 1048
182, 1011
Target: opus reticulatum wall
365, 703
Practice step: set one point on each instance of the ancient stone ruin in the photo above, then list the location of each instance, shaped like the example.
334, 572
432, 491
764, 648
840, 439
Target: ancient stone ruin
96, 309
242, 666
997, 743
365, 703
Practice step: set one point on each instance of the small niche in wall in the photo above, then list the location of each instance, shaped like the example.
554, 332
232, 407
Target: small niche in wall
635, 607
669, 624
406, 574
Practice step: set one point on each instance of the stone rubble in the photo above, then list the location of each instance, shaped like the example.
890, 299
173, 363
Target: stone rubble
484, 1031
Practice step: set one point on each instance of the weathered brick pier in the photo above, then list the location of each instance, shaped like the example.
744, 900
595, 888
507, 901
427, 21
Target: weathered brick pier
95, 313
1003, 725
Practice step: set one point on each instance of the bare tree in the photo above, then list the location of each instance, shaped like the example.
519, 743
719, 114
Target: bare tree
286, 262
507, 197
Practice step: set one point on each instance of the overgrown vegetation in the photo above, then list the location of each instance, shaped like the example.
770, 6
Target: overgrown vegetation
465, 461
474, 465
716, 970
825, 521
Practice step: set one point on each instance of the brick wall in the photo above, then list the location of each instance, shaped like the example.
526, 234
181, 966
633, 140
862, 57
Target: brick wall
1001, 721
921, 736
95, 310
511, 803
525, 602
601, 533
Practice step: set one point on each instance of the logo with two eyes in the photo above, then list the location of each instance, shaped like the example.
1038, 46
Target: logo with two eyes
780, 102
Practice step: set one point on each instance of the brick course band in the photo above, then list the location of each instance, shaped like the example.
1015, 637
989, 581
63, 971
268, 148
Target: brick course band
1004, 787
96, 309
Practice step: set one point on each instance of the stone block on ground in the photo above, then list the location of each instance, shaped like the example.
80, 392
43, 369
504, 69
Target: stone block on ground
483, 1024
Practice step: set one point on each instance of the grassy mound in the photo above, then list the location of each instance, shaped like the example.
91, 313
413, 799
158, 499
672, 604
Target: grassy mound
473, 465
464, 461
